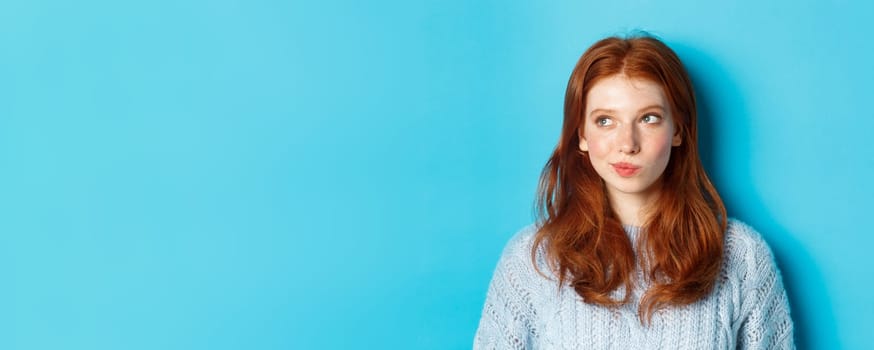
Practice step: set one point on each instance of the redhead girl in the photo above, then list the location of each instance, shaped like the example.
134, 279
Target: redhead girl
633, 248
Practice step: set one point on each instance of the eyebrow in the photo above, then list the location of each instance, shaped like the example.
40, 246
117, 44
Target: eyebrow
612, 111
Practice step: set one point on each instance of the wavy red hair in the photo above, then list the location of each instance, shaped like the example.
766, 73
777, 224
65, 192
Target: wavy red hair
681, 243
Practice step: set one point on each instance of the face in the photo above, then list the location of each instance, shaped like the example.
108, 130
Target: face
628, 135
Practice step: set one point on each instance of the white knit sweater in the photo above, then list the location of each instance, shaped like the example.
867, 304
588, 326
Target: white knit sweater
747, 308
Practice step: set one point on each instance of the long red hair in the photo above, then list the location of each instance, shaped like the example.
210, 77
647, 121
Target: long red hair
682, 238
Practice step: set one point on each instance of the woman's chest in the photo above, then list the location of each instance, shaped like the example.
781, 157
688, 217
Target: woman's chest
566, 322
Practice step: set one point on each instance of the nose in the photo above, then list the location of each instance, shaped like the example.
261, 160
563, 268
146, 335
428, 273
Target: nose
628, 140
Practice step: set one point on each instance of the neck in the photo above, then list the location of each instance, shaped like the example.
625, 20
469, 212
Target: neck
632, 208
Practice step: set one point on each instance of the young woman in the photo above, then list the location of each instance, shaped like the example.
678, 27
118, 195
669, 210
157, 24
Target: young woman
633, 248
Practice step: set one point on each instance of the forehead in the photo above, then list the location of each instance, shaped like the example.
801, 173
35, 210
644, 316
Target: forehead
619, 92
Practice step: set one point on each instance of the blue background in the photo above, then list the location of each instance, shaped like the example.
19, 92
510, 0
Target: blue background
273, 175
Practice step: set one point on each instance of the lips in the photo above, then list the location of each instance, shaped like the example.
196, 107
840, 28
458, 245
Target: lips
625, 169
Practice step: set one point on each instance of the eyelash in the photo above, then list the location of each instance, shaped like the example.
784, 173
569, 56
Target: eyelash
603, 121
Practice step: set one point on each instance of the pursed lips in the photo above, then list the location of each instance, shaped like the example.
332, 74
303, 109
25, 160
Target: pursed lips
625, 169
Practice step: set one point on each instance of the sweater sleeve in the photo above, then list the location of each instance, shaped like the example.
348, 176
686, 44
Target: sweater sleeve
506, 321
764, 321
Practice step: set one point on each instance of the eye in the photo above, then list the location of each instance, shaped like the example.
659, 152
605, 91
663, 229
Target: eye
651, 118
603, 121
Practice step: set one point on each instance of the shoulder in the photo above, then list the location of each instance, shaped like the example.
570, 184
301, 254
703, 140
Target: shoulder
515, 295
518, 249
521, 241
761, 308
517, 252
743, 239
747, 254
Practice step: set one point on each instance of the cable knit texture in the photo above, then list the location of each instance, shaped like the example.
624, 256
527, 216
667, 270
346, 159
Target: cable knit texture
747, 309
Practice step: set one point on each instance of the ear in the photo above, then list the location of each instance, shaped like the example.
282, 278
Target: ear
677, 140
584, 145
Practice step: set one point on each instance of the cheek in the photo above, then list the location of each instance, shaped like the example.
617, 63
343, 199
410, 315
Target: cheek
661, 146
599, 145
